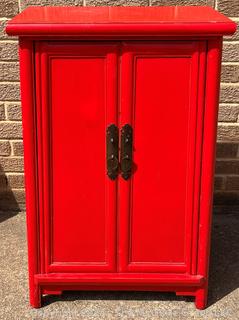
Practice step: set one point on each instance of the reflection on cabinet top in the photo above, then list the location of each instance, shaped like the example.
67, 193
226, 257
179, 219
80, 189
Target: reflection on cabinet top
174, 20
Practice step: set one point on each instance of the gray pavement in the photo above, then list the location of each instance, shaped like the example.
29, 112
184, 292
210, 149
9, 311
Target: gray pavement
223, 294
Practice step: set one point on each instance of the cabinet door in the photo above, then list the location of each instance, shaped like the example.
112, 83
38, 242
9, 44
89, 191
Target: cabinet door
162, 98
76, 101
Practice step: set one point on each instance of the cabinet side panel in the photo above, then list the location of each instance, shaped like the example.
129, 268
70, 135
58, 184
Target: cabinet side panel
30, 161
208, 153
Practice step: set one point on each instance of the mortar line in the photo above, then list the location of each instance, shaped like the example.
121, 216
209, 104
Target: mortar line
10, 101
230, 41
233, 104
215, 4
229, 124
5, 112
19, 5
222, 175
8, 61
12, 140
8, 41
10, 82
228, 159
232, 84
10, 121
11, 146
12, 60
227, 142
15, 173
233, 63
13, 157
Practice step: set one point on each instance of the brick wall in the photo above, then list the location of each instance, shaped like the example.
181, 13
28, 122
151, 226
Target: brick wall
11, 155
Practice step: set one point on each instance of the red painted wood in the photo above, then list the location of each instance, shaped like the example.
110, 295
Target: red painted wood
198, 152
120, 278
120, 20
160, 101
208, 161
77, 103
191, 290
30, 164
152, 232
52, 292
93, 15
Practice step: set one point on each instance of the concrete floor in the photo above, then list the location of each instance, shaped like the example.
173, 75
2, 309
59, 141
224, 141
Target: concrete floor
223, 294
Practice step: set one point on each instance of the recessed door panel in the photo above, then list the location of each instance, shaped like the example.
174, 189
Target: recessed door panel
78, 90
159, 99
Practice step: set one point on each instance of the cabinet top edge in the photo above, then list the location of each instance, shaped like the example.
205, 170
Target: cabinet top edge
173, 20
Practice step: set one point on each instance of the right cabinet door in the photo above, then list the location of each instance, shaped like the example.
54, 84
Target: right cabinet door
162, 90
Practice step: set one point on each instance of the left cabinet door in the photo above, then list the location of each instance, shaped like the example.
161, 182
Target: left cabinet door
76, 100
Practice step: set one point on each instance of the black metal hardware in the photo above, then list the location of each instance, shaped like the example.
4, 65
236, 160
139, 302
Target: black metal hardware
126, 151
112, 150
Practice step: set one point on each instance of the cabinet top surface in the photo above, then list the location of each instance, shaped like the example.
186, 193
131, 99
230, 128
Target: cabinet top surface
161, 20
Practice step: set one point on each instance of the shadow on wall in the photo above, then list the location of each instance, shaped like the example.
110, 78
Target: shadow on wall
8, 203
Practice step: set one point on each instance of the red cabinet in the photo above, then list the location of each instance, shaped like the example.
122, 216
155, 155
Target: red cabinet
119, 118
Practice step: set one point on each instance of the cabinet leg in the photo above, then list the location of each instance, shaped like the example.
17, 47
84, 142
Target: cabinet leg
35, 296
201, 298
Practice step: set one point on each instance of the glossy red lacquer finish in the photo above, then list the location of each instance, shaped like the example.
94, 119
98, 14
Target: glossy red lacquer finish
152, 231
165, 139
108, 21
77, 84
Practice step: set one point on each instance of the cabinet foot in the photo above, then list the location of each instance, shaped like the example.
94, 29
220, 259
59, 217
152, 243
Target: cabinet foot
201, 298
35, 297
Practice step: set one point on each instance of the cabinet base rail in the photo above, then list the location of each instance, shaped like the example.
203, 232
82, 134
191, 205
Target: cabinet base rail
121, 279
55, 284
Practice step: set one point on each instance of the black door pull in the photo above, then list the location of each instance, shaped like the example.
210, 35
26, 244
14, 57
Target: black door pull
126, 151
112, 153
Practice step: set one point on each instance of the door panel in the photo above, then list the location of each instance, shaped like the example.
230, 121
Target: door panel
159, 99
78, 84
